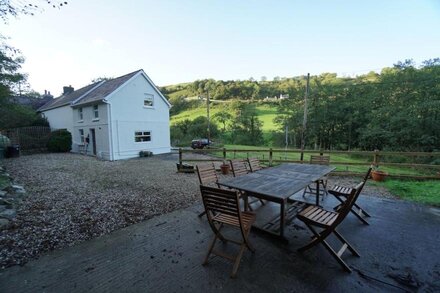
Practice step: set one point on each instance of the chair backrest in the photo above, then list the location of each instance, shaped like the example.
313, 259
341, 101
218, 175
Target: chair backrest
222, 201
362, 184
321, 160
206, 173
348, 204
367, 176
239, 167
254, 164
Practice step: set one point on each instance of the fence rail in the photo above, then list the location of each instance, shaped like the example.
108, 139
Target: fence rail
410, 165
29, 138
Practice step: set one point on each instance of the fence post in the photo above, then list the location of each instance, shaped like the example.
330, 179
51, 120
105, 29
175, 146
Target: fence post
224, 155
180, 158
376, 158
270, 157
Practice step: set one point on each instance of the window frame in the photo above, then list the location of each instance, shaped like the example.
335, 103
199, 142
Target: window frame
80, 114
149, 98
81, 136
143, 135
95, 112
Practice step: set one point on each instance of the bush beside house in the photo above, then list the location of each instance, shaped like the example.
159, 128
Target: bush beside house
60, 141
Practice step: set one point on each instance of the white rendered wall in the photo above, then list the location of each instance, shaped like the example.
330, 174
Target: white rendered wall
60, 118
88, 122
129, 115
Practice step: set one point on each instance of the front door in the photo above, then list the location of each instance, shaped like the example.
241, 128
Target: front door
92, 134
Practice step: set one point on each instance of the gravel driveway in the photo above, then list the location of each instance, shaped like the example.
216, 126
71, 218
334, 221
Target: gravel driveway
73, 198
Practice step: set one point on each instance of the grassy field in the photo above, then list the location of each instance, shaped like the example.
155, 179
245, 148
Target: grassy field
363, 160
266, 114
426, 192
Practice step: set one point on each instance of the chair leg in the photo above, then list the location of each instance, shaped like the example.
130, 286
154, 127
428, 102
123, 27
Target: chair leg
336, 256
361, 210
320, 238
237, 260
211, 247
305, 191
202, 214
315, 241
246, 241
359, 217
342, 239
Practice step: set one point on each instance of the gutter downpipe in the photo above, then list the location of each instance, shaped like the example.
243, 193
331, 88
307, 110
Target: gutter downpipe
110, 128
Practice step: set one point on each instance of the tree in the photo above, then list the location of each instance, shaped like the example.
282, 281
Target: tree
15, 8
223, 117
246, 127
12, 115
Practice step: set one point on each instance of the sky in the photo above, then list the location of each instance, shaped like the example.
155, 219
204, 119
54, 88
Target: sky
177, 41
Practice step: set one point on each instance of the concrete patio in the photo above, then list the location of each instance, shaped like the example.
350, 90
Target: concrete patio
399, 251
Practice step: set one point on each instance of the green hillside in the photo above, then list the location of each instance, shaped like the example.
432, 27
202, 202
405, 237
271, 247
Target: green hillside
266, 114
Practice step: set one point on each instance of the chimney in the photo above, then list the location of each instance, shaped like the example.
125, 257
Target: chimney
67, 90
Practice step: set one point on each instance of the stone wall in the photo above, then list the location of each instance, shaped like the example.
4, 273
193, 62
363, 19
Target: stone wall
11, 196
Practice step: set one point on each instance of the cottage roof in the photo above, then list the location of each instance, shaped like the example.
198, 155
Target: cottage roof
67, 99
95, 92
103, 90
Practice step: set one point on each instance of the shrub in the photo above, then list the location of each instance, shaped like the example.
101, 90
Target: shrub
60, 141
145, 154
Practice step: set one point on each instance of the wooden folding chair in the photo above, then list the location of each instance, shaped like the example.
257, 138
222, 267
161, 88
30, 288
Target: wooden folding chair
207, 176
341, 193
239, 167
311, 189
254, 164
328, 221
223, 209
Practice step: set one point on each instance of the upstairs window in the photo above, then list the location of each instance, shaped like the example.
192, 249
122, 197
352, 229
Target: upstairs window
148, 100
80, 114
95, 112
142, 136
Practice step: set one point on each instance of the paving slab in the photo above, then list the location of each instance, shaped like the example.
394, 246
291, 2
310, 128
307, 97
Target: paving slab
399, 252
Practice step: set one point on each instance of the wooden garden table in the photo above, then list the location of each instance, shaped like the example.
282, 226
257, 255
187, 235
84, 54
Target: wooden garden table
277, 185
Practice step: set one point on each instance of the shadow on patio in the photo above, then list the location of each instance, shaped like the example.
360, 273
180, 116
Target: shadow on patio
399, 251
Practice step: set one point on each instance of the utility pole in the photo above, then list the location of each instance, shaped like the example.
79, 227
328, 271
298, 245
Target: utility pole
207, 115
303, 133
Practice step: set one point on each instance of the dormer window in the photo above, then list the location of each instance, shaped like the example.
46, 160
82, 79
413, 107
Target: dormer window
148, 101
95, 113
80, 114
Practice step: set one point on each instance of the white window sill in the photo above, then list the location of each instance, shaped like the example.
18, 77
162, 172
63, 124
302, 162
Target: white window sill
148, 107
80, 121
96, 119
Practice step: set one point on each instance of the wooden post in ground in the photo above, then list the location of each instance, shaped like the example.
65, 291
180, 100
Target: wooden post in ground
270, 157
180, 159
376, 158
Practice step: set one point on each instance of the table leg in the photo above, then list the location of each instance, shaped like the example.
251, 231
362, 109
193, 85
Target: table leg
246, 200
317, 192
282, 217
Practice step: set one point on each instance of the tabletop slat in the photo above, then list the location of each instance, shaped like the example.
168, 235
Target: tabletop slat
279, 182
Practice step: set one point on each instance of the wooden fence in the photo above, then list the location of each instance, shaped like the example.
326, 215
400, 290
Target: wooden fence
409, 165
32, 138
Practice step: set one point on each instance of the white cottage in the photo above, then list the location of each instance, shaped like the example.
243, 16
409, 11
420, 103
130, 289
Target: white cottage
113, 119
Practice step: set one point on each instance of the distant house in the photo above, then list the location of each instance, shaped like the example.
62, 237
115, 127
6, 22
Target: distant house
113, 119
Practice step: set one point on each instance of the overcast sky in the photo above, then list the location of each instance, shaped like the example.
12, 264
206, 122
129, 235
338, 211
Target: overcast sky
180, 41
